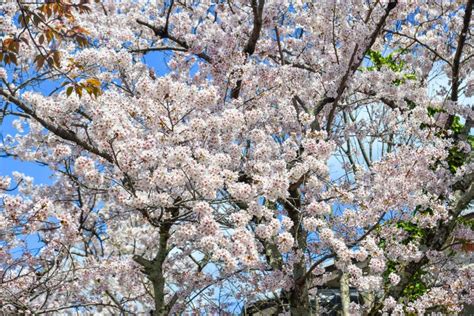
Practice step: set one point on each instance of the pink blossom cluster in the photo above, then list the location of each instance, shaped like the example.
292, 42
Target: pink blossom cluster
288, 145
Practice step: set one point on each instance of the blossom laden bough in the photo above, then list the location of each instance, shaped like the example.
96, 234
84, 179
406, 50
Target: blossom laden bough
290, 147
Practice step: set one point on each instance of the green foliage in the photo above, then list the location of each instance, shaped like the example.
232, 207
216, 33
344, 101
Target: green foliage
391, 267
379, 61
432, 111
456, 159
416, 287
423, 210
382, 243
456, 125
468, 222
271, 205
470, 140
414, 232
411, 104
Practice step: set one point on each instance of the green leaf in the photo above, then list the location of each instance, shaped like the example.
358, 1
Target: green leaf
470, 139
416, 287
457, 126
69, 90
456, 159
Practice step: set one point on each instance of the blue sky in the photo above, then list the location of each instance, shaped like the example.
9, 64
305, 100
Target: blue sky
9, 164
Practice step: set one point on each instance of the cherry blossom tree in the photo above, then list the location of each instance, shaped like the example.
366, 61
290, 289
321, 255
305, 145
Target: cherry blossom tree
291, 144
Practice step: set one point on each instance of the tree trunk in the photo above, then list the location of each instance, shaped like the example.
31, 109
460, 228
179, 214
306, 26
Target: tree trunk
299, 301
154, 268
299, 296
157, 275
345, 294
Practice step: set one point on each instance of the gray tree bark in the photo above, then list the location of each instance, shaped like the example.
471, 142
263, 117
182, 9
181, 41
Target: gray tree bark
345, 294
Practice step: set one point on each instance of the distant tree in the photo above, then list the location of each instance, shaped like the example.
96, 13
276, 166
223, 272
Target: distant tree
291, 144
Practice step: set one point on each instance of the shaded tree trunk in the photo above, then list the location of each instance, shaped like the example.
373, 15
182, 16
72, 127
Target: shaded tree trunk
345, 294
154, 268
157, 276
298, 298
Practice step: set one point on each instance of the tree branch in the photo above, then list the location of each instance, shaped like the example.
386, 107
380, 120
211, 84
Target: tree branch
355, 62
163, 33
252, 42
58, 131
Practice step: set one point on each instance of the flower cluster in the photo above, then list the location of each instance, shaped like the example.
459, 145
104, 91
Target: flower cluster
262, 151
